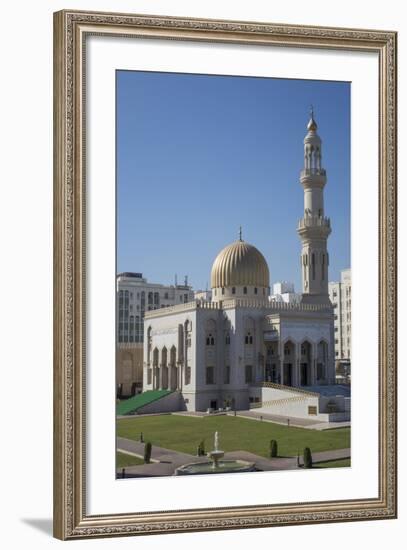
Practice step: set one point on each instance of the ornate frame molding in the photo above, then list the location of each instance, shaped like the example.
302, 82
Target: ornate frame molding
70, 31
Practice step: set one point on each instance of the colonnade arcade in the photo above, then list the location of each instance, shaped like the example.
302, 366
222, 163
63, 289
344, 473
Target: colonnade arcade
169, 368
296, 363
165, 372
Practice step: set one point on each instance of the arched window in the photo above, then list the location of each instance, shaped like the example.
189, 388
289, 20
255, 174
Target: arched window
248, 340
313, 265
245, 290
223, 290
210, 340
188, 331
255, 289
210, 330
227, 339
233, 290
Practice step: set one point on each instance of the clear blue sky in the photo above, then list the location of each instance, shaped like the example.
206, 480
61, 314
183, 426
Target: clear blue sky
200, 155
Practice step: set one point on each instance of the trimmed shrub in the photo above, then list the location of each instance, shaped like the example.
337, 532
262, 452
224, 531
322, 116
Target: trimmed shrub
201, 448
307, 458
273, 448
147, 452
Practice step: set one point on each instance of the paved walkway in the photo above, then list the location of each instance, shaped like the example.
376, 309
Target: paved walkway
309, 424
166, 461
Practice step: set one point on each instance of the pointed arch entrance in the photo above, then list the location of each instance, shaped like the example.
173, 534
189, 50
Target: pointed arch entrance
305, 364
322, 360
289, 362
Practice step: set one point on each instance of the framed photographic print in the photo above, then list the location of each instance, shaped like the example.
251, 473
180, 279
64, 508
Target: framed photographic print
225, 274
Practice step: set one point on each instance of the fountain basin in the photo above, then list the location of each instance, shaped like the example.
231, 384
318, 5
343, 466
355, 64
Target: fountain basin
215, 456
222, 467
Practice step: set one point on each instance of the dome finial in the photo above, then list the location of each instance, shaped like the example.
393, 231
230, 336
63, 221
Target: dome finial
240, 233
312, 125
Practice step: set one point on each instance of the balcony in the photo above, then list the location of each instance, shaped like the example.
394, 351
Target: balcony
270, 335
314, 221
313, 172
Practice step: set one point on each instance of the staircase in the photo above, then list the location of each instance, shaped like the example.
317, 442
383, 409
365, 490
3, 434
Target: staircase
133, 404
285, 401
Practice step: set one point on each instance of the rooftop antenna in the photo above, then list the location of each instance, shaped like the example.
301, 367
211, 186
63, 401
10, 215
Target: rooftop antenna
186, 280
240, 233
311, 110
176, 280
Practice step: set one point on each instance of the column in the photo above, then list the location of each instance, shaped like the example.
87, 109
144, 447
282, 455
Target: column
296, 365
313, 363
170, 377
281, 361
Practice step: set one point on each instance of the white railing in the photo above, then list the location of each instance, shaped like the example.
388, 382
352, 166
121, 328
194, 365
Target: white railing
313, 172
288, 388
314, 221
282, 401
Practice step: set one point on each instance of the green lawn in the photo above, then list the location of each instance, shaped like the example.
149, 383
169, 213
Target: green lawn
342, 463
184, 434
123, 460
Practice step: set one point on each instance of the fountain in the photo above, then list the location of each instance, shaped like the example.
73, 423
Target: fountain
216, 466
216, 454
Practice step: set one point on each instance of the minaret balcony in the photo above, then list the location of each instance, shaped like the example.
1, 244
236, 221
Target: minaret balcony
313, 172
313, 178
319, 225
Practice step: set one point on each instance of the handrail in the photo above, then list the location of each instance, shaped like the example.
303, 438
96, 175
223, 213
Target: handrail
282, 387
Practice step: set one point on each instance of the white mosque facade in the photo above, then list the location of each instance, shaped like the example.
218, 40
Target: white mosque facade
240, 350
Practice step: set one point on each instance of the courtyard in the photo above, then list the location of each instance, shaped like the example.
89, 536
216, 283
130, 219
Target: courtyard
178, 436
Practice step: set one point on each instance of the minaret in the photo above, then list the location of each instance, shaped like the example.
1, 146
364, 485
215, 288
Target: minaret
314, 228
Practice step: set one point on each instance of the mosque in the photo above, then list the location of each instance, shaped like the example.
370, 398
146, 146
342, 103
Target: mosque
241, 350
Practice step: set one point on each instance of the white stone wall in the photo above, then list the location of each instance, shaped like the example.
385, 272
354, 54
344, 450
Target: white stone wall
299, 331
164, 333
295, 404
247, 328
170, 403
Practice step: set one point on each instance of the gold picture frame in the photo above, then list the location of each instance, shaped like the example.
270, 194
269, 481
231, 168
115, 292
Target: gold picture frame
70, 31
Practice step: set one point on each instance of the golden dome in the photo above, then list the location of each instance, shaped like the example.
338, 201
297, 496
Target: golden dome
240, 264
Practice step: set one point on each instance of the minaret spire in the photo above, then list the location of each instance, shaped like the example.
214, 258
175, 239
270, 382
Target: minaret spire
314, 228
